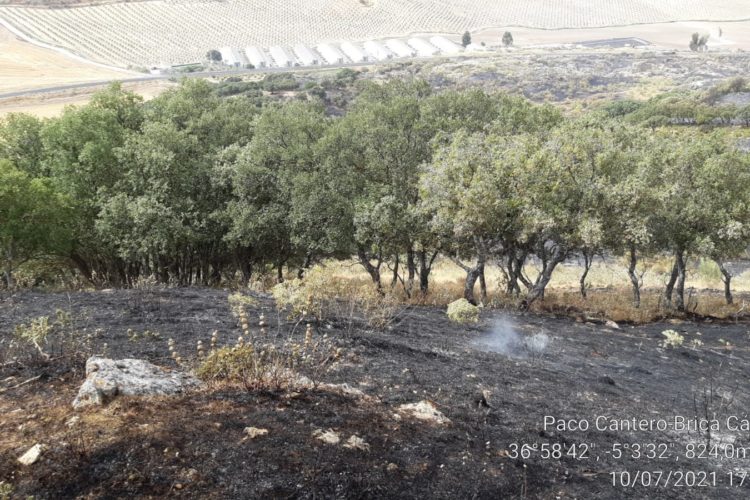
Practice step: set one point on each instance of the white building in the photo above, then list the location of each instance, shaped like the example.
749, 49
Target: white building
256, 57
232, 57
400, 48
423, 48
330, 53
305, 56
281, 57
377, 50
445, 45
353, 52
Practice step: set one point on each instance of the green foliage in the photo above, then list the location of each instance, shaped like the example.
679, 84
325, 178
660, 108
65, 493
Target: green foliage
461, 311
698, 42
34, 219
47, 335
35, 332
277, 82
466, 39
196, 187
6, 490
213, 55
507, 39
308, 297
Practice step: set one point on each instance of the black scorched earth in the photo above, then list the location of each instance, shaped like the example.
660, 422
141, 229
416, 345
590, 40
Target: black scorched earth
533, 407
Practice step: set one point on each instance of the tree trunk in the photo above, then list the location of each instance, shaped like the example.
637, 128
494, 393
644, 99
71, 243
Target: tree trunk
537, 290
471, 279
246, 268
634, 279
280, 272
472, 275
670, 286
588, 259
83, 267
394, 278
305, 266
372, 270
512, 275
412, 270
9, 257
425, 267
680, 287
482, 285
726, 278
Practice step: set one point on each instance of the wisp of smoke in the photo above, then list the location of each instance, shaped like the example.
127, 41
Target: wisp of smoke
504, 339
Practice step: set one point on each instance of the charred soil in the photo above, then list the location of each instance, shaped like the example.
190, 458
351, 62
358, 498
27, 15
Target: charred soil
196, 445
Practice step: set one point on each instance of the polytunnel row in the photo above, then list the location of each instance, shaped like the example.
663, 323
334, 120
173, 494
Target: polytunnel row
337, 53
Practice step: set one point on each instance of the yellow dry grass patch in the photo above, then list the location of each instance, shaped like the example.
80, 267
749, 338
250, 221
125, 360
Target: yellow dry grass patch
51, 105
609, 295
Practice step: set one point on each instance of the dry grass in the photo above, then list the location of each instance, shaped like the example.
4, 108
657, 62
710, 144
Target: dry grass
609, 293
25, 66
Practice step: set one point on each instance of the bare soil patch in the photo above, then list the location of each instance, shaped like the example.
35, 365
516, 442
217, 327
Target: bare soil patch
25, 66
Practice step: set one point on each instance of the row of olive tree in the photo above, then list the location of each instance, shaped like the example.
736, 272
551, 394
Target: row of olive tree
194, 188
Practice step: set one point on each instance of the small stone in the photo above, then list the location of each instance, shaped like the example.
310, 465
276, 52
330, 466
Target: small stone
328, 437
424, 410
32, 454
254, 432
356, 443
72, 421
391, 467
611, 324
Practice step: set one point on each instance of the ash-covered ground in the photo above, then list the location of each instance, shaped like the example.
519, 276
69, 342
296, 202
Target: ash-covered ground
496, 381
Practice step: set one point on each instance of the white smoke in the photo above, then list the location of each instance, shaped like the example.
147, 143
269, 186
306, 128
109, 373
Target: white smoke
505, 339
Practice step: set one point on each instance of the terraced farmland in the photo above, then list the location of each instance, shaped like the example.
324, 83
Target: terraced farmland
179, 31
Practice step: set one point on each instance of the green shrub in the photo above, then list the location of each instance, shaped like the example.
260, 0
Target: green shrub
461, 311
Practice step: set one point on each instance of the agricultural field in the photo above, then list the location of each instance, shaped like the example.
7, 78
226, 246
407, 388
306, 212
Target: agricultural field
24, 66
181, 31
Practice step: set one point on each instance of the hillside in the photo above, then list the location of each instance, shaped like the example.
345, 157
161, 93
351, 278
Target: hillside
495, 400
163, 33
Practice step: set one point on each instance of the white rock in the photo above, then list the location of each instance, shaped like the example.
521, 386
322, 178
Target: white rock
612, 324
328, 437
109, 378
32, 454
254, 432
357, 443
424, 410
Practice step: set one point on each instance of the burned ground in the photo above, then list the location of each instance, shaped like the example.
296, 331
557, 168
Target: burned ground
194, 446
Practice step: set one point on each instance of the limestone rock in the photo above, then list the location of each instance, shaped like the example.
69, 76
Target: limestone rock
31, 455
254, 432
109, 378
611, 324
329, 437
424, 410
357, 443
